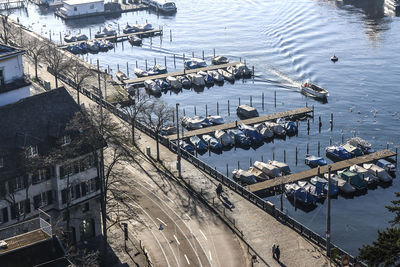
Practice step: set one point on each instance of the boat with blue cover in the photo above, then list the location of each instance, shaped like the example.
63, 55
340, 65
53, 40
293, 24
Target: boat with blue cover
299, 195
208, 79
194, 63
316, 192
314, 161
251, 133
184, 145
212, 142
337, 153
198, 143
322, 184
244, 176
240, 138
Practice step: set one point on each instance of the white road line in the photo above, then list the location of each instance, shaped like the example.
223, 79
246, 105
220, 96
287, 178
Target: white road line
209, 252
187, 259
177, 241
203, 234
162, 221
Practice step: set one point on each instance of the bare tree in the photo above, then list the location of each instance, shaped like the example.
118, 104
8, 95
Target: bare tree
78, 73
35, 49
136, 108
161, 114
56, 60
6, 26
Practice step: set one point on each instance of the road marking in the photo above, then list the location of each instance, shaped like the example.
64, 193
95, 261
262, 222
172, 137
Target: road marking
203, 234
209, 252
177, 241
162, 221
187, 259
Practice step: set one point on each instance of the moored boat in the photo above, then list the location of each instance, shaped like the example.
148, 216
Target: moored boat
364, 174
225, 139
175, 84
299, 195
322, 184
212, 142
186, 83
227, 75
353, 178
134, 40
378, 172
260, 175
314, 90
343, 185
337, 153
152, 87
314, 161
239, 137
265, 131
218, 78
251, 133
208, 79
268, 169
218, 60
353, 150
245, 111
194, 63
121, 76
244, 176
316, 192
198, 143
283, 167
386, 165
215, 119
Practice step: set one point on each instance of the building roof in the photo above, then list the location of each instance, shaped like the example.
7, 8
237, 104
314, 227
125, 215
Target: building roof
81, 2
32, 120
9, 51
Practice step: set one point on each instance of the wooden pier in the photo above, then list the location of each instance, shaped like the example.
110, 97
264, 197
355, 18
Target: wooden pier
291, 178
115, 38
140, 81
251, 121
11, 4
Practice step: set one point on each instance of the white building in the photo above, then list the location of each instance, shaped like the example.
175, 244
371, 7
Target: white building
72, 8
13, 84
68, 187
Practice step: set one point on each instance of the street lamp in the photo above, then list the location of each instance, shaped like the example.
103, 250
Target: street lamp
178, 142
328, 216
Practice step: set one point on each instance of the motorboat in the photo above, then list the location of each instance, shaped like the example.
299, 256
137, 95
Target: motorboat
81, 37
208, 79
196, 79
251, 133
174, 83
191, 123
265, 131
121, 76
245, 111
212, 142
134, 40
268, 169
225, 139
100, 34
160, 69
244, 176
289, 126
314, 161
70, 38
93, 46
314, 90
343, 185
234, 71
322, 184
218, 60
240, 138
168, 130
260, 175
365, 146
301, 196
152, 87
243, 70
353, 150
378, 172
145, 27
109, 31
283, 167
198, 143
334, 58
140, 73
103, 46
364, 174
163, 6
163, 84
218, 78
194, 63
186, 83
386, 165
184, 145
353, 178
215, 119
74, 49
278, 129
108, 44
130, 28
337, 153
316, 192
227, 75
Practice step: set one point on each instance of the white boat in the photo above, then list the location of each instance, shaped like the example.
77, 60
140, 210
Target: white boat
152, 87
276, 128
364, 174
218, 60
163, 6
134, 40
314, 90
109, 31
265, 131
175, 84
334, 58
234, 71
343, 185
81, 37
218, 78
283, 167
121, 76
140, 73
268, 169
224, 138
194, 63
243, 70
215, 119
386, 165
244, 176
246, 111
196, 79
227, 75
191, 123
378, 172
186, 83
260, 175
365, 146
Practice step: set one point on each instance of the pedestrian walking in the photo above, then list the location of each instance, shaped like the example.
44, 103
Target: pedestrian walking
273, 251
277, 253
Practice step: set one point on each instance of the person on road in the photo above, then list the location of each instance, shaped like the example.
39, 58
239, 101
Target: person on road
273, 251
277, 253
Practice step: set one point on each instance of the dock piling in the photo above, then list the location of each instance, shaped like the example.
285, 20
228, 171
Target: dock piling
203, 54
262, 158
118, 67
308, 127
60, 38
330, 140
252, 71
387, 145
250, 162
217, 108
165, 61
308, 148
136, 64
195, 111
192, 54
173, 116
251, 101
155, 61
275, 98
170, 35
145, 61
183, 56
174, 62
297, 126
90, 33
319, 124
331, 122
396, 158
227, 170
296, 155
342, 138
238, 165
273, 155
206, 111
262, 100
214, 52
284, 155
127, 69
108, 68
239, 101
313, 111
319, 148
184, 113
229, 112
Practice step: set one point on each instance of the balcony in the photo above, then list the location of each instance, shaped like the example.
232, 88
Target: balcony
15, 84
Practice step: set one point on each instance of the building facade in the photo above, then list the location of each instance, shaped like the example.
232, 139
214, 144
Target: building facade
13, 84
45, 165
73, 8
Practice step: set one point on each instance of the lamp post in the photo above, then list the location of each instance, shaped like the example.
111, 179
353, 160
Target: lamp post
178, 141
328, 216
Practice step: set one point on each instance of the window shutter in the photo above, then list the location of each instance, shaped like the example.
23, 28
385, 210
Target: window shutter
27, 205
78, 191
49, 197
62, 172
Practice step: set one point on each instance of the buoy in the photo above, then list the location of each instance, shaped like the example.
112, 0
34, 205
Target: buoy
334, 58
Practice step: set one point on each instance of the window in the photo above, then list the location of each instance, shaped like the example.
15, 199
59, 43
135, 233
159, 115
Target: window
91, 6
84, 188
33, 151
2, 83
85, 207
78, 191
40, 176
16, 184
75, 9
66, 140
1, 162
64, 196
43, 199
5, 215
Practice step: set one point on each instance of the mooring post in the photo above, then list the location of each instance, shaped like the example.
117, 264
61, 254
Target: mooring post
275, 98
209, 150
165, 61
297, 126
90, 33
127, 69
196, 151
195, 111
262, 100
284, 155
183, 57
238, 165
214, 52
239, 101
155, 61
387, 145
145, 63
192, 54
313, 111
308, 127
319, 123
151, 41
331, 121
227, 172
296, 155
342, 138
184, 113
50, 35
250, 161
262, 158
118, 67
61, 38
330, 140
319, 170
203, 54
229, 113
252, 71
206, 111
217, 108
308, 148
273, 155
174, 62
136, 64
319, 146
108, 68
119, 32
396, 158
170, 35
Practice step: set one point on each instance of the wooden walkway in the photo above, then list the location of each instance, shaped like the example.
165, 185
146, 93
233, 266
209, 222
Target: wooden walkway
291, 178
225, 126
119, 37
140, 81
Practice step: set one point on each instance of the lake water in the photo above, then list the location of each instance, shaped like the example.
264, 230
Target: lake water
287, 42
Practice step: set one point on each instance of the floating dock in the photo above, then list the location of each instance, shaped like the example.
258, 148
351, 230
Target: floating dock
115, 38
140, 81
275, 183
251, 121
